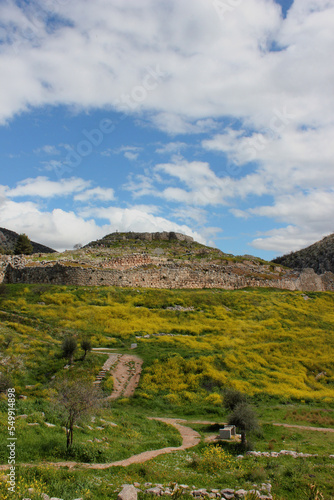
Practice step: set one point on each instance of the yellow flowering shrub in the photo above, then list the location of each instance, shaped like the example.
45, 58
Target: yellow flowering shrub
214, 399
215, 459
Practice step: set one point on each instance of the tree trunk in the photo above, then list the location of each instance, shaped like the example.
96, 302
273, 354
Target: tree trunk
243, 439
71, 431
68, 443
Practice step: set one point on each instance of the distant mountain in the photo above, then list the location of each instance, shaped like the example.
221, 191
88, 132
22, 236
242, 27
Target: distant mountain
319, 256
8, 241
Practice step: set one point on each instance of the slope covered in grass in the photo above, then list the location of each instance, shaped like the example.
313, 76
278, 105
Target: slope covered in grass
194, 343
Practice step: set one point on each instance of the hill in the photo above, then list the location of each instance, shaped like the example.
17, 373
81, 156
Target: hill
319, 256
8, 241
164, 244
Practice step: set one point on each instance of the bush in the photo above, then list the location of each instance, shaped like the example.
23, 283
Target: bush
213, 459
108, 384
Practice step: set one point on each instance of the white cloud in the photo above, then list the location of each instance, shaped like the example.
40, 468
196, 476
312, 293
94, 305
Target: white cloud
57, 229
42, 187
131, 156
49, 150
241, 214
101, 194
181, 66
138, 219
191, 215
171, 148
208, 68
61, 229
309, 216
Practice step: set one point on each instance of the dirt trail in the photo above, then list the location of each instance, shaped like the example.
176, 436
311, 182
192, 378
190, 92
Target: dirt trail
126, 376
125, 369
306, 428
190, 438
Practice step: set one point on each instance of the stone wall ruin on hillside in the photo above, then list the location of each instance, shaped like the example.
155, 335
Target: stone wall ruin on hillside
154, 272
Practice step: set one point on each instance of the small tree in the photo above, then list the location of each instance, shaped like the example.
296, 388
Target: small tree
86, 346
23, 245
244, 417
232, 398
68, 347
75, 399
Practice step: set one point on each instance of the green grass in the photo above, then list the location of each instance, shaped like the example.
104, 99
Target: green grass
97, 441
271, 344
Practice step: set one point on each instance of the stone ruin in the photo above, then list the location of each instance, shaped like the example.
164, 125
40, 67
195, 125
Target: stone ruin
145, 271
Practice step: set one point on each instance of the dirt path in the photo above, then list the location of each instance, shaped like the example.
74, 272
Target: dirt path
125, 369
190, 438
306, 428
126, 376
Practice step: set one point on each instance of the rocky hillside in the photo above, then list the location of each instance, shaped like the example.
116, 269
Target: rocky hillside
165, 244
319, 256
8, 241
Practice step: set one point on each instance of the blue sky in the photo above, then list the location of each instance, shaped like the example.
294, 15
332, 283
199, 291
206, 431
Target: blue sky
209, 117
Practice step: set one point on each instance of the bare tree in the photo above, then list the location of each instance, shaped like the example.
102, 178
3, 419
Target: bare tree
75, 399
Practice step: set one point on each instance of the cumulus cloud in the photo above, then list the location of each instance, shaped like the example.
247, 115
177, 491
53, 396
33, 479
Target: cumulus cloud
139, 219
309, 216
187, 68
156, 57
42, 187
61, 229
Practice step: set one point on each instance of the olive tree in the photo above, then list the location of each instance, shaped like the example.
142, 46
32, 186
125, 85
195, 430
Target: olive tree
86, 346
68, 348
75, 399
244, 418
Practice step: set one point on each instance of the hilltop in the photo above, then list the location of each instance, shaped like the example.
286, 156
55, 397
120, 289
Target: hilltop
161, 244
319, 256
8, 241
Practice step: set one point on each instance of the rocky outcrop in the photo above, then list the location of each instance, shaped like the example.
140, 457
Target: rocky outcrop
163, 236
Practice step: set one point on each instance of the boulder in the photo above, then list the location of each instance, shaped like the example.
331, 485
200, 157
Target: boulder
128, 492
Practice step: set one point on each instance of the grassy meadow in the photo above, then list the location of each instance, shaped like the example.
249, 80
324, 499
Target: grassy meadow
276, 346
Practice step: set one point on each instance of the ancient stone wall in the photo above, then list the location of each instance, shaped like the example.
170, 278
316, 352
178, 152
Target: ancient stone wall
166, 275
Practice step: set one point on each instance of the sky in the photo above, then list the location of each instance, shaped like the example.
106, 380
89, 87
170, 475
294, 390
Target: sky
213, 118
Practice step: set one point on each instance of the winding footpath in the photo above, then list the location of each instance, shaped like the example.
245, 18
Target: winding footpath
190, 438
